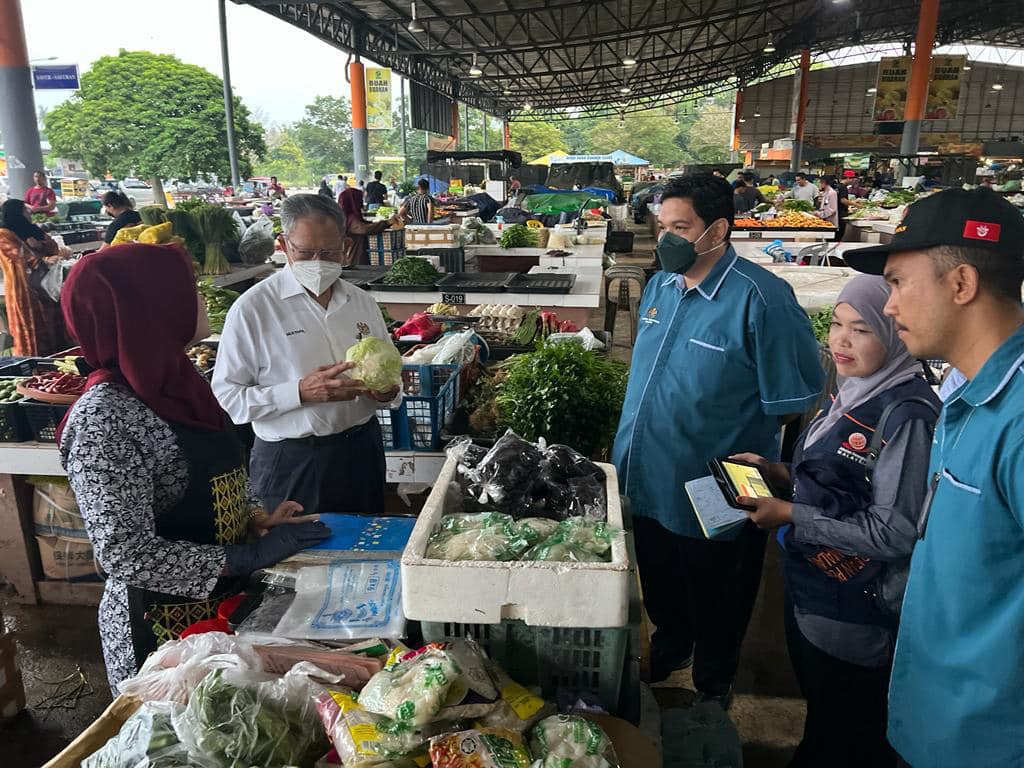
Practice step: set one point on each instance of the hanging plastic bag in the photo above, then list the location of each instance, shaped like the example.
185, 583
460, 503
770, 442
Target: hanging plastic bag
257, 243
172, 671
146, 740
244, 718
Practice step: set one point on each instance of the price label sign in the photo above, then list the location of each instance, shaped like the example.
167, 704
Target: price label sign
754, 235
453, 298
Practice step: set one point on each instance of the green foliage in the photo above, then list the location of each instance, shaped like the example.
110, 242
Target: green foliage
412, 270
565, 394
153, 116
649, 135
284, 159
518, 236
821, 321
324, 135
534, 140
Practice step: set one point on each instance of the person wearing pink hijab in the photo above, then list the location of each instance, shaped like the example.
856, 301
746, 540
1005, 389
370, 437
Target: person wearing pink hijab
359, 229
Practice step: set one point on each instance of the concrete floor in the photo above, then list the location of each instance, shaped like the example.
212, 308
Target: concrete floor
55, 641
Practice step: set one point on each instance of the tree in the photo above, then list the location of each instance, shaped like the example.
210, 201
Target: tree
284, 159
576, 134
153, 116
325, 135
535, 140
708, 139
647, 134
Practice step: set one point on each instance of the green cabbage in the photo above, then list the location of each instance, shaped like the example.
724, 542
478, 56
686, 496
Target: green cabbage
378, 364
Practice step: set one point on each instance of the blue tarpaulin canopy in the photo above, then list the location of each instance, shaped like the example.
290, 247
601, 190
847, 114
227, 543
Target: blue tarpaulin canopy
618, 157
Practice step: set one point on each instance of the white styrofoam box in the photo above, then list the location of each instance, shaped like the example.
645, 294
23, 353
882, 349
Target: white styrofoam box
540, 594
431, 235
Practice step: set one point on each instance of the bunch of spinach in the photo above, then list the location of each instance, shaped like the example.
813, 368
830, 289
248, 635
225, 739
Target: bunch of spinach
821, 321
565, 394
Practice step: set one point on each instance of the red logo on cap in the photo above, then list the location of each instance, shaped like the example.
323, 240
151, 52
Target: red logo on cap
981, 230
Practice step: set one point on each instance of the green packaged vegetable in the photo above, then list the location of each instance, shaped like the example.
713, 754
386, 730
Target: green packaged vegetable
146, 740
577, 540
571, 741
412, 270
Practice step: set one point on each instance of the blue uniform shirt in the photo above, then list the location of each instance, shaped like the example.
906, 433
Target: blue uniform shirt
957, 692
713, 369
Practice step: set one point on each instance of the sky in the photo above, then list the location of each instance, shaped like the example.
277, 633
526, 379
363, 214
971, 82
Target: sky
276, 69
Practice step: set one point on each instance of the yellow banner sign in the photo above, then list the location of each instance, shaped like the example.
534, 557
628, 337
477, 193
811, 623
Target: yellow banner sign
378, 98
891, 93
944, 88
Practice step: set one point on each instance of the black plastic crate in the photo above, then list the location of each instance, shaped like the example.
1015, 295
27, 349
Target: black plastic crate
475, 282
557, 283
619, 242
13, 428
26, 367
43, 419
361, 275
451, 259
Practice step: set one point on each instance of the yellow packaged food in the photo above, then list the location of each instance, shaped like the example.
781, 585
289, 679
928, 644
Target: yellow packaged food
159, 233
129, 234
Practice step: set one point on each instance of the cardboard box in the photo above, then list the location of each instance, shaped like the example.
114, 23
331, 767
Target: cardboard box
12, 689
67, 559
541, 594
55, 512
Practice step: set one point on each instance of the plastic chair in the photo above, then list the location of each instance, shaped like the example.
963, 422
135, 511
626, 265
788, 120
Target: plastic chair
621, 281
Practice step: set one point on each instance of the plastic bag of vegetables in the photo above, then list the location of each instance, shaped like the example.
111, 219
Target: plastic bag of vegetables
576, 540
571, 740
479, 748
378, 364
238, 718
146, 740
257, 244
363, 739
414, 690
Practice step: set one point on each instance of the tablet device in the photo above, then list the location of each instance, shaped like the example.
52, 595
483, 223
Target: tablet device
740, 478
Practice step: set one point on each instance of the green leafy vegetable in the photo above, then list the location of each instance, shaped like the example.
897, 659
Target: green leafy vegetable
797, 205
821, 321
412, 270
218, 301
153, 215
518, 236
216, 228
378, 364
564, 393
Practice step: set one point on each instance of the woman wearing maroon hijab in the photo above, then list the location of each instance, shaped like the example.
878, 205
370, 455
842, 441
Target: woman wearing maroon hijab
351, 202
157, 470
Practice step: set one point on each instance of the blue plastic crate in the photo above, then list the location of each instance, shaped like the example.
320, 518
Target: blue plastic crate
431, 394
386, 247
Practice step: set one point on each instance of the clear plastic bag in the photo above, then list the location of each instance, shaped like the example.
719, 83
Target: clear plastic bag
346, 600
257, 242
506, 475
571, 740
172, 671
363, 739
237, 718
576, 539
485, 536
414, 690
518, 709
146, 740
479, 748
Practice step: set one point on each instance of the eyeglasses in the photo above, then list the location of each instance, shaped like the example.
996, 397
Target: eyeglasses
323, 254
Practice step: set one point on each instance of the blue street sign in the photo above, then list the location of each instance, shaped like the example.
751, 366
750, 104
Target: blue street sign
58, 77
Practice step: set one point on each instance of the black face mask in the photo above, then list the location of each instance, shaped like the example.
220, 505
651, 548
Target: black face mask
677, 254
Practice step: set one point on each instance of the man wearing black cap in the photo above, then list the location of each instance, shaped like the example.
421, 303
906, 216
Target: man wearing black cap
956, 265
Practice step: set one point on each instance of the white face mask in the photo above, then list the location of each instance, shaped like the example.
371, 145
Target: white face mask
316, 275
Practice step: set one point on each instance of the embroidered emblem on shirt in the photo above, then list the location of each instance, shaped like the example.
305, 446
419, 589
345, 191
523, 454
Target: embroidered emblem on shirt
363, 330
857, 441
652, 312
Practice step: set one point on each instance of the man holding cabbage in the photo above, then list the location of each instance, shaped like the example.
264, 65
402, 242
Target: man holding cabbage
306, 358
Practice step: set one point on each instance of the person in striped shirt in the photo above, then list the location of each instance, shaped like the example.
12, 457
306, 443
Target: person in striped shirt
419, 207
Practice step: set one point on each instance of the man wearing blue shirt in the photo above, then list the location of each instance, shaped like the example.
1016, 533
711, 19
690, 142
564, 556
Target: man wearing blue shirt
956, 696
723, 354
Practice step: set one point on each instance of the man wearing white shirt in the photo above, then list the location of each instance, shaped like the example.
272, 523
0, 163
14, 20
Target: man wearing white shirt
317, 437
803, 189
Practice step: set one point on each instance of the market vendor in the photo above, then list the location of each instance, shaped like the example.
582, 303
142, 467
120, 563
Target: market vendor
275, 189
723, 356
26, 256
154, 463
280, 366
359, 229
118, 206
803, 189
828, 208
419, 207
39, 197
956, 267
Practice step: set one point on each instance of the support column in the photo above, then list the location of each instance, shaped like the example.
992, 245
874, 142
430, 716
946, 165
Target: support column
920, 72
737, 114
229, 103
800, 110
506, 137
405, 153
486, 120
465, 141
360, 136
17, 102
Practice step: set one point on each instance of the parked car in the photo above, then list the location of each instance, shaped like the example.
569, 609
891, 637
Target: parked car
138, 191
